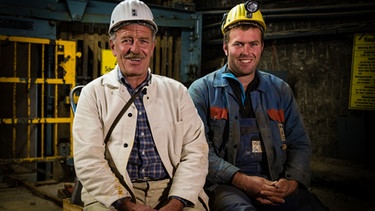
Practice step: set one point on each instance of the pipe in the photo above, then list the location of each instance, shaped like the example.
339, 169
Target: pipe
303, 10
277, 15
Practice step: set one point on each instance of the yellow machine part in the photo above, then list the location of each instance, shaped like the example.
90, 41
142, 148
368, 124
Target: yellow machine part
36, 76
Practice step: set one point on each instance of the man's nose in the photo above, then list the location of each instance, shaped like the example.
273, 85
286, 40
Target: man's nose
247, 48
134, 47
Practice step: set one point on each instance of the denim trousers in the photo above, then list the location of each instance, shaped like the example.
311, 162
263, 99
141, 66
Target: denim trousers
227, 197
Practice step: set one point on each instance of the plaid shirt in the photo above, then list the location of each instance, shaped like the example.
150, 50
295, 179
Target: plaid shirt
144, 161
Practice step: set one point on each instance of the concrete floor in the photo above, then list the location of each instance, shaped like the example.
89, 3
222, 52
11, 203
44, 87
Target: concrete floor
340, 186
337, 200
22, 198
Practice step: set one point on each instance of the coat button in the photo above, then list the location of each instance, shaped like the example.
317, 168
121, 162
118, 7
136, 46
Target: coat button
126, 145
283, 147
130, 114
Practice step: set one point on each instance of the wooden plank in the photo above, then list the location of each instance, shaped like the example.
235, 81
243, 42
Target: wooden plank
96, 55
67, 206
177, 59
164, 57
157, 56
170, 57
85, 58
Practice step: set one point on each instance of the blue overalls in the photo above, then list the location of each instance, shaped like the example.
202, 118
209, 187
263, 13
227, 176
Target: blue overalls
249, 155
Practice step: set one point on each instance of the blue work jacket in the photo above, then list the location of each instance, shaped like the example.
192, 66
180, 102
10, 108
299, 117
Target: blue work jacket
286, 141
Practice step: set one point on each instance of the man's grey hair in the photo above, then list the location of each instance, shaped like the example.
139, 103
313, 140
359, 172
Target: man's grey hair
112, 33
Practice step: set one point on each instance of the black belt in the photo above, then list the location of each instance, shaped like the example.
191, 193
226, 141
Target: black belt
145, 179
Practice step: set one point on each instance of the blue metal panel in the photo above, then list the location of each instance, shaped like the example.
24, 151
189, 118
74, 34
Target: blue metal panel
190, 68
39, 19
27, 27
76, 8
88, 11
41, 9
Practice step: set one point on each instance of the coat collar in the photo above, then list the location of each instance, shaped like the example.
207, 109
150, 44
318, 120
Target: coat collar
221, 81
112, 79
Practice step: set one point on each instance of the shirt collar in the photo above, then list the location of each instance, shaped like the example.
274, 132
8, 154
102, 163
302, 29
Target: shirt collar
123, 80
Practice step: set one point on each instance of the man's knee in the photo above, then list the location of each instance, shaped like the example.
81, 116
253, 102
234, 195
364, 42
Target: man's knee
96, 206
304, 200
226, 197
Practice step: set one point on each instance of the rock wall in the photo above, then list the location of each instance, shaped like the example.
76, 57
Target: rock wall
313, 45
319, 73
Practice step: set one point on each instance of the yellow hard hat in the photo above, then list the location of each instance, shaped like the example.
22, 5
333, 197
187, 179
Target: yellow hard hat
242, 14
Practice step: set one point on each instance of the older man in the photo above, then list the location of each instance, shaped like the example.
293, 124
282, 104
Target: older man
158, 146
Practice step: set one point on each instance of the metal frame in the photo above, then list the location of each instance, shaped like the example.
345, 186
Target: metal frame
42, 124
41, 17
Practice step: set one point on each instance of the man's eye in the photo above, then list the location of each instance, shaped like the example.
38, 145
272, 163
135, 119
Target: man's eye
127, 41
143, 41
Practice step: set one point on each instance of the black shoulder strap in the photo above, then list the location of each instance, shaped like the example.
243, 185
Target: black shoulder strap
108, 155
120, 115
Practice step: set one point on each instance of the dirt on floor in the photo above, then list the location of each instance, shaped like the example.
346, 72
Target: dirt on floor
21, 198
339, 200
340, 186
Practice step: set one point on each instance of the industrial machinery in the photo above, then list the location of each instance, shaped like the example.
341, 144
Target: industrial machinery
47, 47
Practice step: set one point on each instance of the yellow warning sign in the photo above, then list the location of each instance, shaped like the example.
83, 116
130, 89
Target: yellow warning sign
108, 61
362, 83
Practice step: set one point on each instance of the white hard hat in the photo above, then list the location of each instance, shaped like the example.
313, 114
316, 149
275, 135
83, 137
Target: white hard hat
132, 11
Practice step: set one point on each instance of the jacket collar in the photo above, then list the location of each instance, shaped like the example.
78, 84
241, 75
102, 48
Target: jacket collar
113, 78
221, 81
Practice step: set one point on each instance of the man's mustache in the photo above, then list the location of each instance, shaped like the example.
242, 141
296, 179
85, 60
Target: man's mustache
132, 55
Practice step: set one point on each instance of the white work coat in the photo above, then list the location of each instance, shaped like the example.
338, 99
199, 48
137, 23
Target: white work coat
176, 127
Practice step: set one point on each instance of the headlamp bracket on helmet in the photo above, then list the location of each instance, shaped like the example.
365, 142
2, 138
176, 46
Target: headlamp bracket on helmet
243, 13
224, 19
251, 6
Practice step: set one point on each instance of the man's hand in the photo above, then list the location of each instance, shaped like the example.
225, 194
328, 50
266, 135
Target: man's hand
264, 191
173, 205
128, 205
286, 187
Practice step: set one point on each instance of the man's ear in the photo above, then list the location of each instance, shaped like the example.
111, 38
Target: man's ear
262, 46
225, 48
112, 45
153, 48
